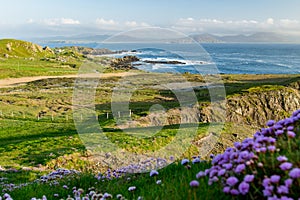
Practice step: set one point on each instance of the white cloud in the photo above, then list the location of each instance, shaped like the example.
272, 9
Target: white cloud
218, 26
131, 23
101, 21
112, 25
69, 21
288, 22
270, 21
58, 21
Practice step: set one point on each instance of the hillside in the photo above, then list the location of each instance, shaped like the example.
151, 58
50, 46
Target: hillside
21, 58
17, 48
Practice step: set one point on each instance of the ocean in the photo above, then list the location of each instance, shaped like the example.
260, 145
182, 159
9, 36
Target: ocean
211, 58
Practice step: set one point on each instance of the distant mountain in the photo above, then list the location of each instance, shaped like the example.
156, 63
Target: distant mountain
261, 37
206, 38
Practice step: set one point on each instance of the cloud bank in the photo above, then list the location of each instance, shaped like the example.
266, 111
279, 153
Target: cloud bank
69, 26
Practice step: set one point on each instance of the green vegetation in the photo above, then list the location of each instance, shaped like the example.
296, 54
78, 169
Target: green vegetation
20, 59
37, 133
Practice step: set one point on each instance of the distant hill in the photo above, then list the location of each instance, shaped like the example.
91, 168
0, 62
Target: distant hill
261, 37
18, 48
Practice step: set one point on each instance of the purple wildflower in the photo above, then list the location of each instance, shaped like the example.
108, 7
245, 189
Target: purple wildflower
275, 178
249, 178
270, 123
240, 168
278, 126
226, 189
279, 132
291, 134
153, 173
286, 198
185, 161
244, 188
267, 193
282, 189
295, 173
237, 145
227, 166
196, 160
282, 158
234, 192
200, 174
290, 128
266, 182
263, 149
221, 172
271, 148
285, 166
231, 181
288, 182
194, 183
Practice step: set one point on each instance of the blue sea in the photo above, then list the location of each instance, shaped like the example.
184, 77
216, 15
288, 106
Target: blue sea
212, 57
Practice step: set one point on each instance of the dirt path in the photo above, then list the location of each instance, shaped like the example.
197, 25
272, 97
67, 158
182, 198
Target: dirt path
11, 82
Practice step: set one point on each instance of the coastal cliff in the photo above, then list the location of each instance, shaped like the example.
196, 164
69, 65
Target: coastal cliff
253, 108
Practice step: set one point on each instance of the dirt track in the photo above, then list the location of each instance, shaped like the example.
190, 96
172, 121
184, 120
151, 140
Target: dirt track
11, 82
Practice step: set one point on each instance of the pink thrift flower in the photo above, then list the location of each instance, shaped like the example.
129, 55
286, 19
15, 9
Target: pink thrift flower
194, 183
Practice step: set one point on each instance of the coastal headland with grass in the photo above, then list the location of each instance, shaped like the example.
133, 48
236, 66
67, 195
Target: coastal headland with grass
44, 157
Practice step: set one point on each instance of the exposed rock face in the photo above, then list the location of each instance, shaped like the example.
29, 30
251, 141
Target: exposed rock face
124, 63
260, 107
8, 46
173, 62
48, 49
253, 109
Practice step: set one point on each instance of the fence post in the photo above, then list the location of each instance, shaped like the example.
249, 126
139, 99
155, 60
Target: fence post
107, 115
119, 114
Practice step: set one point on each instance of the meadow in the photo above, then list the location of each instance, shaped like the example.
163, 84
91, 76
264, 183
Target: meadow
32, 146
38, 136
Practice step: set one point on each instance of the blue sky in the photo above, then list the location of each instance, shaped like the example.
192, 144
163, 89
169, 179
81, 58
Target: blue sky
62, 17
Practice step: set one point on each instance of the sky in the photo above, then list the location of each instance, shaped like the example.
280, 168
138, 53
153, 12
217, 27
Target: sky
36, 18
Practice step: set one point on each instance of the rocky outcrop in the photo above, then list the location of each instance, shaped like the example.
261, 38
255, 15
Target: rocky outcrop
253, 108
257, 108
124, 63
172, 62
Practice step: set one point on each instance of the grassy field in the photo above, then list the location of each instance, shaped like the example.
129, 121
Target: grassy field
38, 135
31, 146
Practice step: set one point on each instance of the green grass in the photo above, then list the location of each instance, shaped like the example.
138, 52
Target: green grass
43, 145
175, 185
30, 143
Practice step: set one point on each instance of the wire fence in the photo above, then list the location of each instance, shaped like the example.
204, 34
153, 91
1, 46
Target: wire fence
63, 117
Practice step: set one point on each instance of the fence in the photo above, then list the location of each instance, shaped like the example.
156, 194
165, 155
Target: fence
62, 117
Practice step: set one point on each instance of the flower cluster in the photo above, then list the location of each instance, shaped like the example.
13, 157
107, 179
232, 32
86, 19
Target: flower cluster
51, 178
256, 167
143, 166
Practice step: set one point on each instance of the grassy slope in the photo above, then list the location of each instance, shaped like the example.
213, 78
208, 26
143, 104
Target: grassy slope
20, 58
